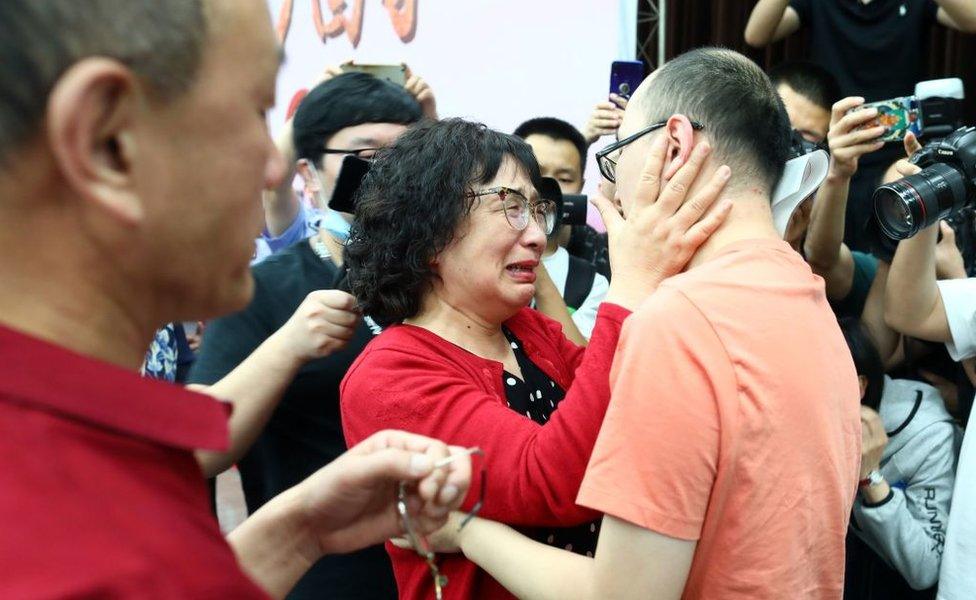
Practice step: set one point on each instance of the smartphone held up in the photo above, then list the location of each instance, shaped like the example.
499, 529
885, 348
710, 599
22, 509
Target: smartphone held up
932, 112
395, 74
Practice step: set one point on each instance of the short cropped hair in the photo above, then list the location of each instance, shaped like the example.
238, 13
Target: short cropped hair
744, 117
412, 204
348, 100
810, 80
160, 40
556, 129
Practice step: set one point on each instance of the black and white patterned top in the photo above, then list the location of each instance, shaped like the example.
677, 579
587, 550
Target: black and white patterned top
536, 396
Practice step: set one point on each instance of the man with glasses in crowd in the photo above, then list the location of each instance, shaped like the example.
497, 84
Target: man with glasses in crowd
345, 114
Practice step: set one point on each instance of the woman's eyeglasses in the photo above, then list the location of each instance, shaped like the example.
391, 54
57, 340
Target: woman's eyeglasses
518, 208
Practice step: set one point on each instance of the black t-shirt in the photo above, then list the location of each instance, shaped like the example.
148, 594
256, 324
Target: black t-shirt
305, 432
537, 396
876, 50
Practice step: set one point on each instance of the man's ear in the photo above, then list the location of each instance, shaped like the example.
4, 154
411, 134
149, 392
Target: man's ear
863, 384
90, 117
681, 141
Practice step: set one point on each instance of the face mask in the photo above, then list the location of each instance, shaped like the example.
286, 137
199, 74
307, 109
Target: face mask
332, 221
336, 224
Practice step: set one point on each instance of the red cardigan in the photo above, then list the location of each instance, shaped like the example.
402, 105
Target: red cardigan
409, 378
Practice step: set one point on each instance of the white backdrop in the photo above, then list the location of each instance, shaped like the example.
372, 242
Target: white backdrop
497, 61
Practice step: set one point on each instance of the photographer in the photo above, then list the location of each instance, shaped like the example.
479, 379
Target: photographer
808, 92
848, 274
854, 280
920, 305
817, 113
561, 152
875, 49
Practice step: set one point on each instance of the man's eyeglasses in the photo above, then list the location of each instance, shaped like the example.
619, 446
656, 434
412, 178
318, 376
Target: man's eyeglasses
517, 209
363, 153
418, 542
608, 166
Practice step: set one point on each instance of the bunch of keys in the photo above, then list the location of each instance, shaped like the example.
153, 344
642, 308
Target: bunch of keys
419, 542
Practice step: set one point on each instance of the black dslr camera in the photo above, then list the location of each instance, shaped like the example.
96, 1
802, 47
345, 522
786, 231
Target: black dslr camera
800, 146
570, 208
945, 186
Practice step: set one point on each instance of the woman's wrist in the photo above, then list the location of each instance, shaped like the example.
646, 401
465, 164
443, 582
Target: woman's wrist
629, 293
467, 535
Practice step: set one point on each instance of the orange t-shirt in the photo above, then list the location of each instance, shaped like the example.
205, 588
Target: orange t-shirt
734, 421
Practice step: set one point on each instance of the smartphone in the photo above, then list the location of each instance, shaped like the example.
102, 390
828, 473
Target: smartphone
898, 115
396, 74
625, 76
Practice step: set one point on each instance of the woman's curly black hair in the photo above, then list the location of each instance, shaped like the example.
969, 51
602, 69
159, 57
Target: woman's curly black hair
411, 206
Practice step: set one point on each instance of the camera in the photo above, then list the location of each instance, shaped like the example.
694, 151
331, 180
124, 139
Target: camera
800, 146
939, 106
570, 208
945, 185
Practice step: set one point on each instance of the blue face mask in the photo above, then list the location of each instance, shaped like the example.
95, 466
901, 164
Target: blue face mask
336, 224
332, 221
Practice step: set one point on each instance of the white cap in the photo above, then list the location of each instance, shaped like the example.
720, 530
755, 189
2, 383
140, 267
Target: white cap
801, 178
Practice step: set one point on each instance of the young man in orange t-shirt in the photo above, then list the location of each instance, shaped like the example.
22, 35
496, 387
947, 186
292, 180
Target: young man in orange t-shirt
728, 459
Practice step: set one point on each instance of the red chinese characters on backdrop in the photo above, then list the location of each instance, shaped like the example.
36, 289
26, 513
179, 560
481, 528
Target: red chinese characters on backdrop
402, 14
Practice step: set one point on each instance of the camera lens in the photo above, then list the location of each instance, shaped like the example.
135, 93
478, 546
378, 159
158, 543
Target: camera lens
907, 206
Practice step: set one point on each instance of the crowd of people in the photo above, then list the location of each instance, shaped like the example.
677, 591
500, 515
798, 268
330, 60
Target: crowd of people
448, 391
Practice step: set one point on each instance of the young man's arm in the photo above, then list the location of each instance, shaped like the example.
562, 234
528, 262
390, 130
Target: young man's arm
323, 323
771, 21
887, 340
824, 249
913, 304
632, 562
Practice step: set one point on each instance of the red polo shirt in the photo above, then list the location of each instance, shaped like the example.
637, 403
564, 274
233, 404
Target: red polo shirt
100, 495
